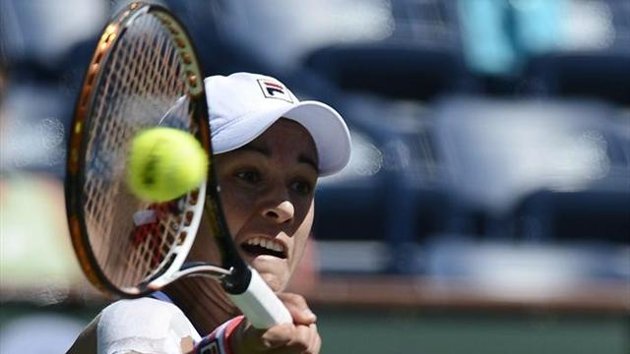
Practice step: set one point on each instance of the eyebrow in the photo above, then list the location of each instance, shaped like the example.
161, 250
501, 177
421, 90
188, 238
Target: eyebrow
302, 158
307, 160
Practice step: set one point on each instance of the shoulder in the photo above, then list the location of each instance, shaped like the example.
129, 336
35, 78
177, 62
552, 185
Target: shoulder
140, 311
144, 325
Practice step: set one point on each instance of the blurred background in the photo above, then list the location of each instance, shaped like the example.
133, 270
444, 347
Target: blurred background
486, 208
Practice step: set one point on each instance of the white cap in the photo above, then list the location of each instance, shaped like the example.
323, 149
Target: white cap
243, 105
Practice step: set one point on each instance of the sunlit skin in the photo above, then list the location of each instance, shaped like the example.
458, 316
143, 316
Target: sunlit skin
267, 190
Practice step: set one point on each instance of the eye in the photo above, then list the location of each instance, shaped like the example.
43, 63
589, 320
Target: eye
249, 176
302, 187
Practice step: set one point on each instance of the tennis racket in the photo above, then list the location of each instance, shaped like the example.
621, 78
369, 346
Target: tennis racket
144, 73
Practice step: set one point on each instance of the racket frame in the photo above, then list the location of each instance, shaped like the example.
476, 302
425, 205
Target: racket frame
77, 146
242, 283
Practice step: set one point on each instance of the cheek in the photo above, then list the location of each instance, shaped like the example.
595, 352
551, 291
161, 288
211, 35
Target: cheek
301, 236
234, 210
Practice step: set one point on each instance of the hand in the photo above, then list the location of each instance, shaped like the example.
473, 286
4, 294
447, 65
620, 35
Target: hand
300, 337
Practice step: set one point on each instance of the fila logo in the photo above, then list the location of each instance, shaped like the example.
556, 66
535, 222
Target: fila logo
273, 89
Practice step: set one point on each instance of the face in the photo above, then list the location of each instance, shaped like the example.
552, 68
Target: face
267, 190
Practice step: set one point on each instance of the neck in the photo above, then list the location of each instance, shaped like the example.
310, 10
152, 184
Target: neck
203, 301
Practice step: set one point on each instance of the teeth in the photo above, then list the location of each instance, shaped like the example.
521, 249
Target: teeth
266, 243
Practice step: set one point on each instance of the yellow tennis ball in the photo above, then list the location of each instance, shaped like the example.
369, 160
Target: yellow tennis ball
164, 164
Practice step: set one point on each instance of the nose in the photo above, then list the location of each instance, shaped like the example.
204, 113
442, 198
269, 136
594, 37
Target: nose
281, 212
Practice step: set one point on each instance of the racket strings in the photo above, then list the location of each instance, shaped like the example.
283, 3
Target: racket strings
155, 238
141, 80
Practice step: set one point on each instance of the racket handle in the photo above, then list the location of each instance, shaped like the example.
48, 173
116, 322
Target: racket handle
260, 305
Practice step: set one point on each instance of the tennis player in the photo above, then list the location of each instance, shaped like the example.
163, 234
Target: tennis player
270, 151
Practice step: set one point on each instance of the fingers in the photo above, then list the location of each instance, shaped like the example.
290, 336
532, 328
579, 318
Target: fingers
307, 339
280, 339
300, 337
298, 308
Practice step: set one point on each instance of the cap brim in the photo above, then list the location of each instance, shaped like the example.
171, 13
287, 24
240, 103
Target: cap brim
329, 132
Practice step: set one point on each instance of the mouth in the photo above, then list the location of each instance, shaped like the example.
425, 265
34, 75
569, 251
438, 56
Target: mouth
259, 246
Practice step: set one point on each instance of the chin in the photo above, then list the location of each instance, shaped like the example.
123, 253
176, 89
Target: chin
274, 271
276, 283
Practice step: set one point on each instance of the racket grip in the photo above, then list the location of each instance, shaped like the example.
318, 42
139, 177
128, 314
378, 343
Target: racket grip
260, 305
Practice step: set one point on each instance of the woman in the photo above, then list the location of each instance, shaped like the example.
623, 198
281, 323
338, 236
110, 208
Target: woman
270, 150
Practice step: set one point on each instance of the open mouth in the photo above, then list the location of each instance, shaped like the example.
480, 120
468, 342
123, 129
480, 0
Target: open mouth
258, 246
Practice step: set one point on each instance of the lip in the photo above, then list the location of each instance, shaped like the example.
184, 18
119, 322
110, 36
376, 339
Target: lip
260, 245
